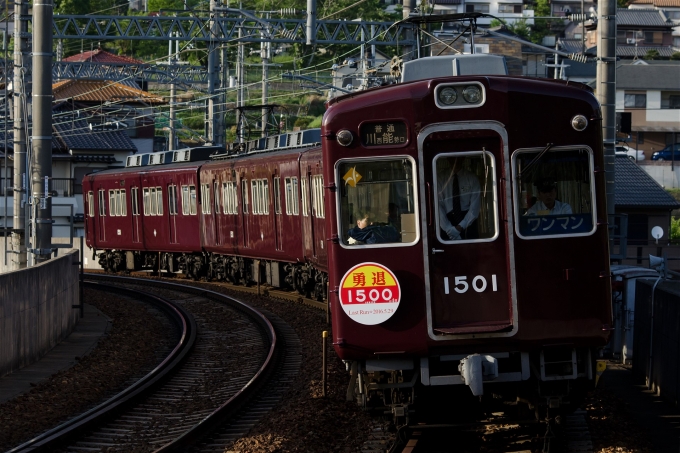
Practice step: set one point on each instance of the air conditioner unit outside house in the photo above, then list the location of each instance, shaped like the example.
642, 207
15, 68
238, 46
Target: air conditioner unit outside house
630, 40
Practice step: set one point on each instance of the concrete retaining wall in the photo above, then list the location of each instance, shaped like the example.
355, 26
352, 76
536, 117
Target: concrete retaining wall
90, 263
36, 310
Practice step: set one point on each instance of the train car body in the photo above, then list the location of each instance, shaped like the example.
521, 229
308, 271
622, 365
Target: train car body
524, 299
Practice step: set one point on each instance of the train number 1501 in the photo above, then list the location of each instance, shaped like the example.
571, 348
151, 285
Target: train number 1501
478, 283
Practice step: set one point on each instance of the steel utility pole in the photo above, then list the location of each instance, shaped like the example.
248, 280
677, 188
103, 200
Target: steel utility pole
21, 92
41, 138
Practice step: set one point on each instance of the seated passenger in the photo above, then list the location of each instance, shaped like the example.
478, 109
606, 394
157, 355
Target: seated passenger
547, 203
367, 233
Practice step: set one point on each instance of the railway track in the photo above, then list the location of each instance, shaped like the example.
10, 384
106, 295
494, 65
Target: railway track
230, 365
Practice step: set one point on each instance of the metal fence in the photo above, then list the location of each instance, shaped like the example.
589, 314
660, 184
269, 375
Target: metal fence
656, 338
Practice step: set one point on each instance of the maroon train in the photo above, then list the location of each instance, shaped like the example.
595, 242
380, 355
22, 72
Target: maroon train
516, 304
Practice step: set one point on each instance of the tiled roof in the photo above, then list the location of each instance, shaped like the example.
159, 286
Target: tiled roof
641, 17
101, 91
631, 52
569, 45
636, 189
101, 56
658, 3
648, 77
76, 135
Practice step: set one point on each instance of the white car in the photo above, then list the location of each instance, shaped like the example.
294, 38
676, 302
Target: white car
630, 152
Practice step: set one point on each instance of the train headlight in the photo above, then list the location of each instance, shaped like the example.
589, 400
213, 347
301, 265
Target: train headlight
448, 95
579, 122
472, 94
344, 137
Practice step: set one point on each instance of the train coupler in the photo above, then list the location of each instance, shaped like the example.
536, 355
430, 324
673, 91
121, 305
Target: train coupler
475, 369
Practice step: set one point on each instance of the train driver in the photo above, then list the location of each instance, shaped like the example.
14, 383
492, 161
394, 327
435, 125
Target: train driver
459, 203
547, 202
368, 232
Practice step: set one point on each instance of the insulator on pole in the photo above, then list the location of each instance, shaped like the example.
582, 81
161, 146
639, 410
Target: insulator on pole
577, 17
288, 11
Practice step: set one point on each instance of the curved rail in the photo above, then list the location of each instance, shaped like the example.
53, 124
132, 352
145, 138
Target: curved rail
76, 426
96, 415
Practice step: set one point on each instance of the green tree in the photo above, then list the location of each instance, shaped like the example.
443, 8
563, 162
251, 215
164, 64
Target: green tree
675, 56
652, 54
675, 231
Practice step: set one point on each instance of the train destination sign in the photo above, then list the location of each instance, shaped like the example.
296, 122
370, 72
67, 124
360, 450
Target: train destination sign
369, 293
386, 133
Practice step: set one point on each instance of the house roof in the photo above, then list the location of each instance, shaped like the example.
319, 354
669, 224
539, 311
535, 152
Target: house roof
641, 51
648, 77
636, 189
641, 18
76, 135
101, 91
657, 3
101, 56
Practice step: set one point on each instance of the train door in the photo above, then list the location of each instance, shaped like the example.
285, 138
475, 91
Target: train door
245, 206
469, 255
90, 217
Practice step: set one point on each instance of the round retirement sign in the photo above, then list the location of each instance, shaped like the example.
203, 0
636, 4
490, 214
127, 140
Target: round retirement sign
369, 293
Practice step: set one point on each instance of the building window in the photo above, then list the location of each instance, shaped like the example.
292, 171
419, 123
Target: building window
670, 100
477, 8
637, 229
509, 8
637, 101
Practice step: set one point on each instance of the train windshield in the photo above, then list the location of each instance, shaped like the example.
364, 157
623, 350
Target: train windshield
465, 197
377, 202
554, 192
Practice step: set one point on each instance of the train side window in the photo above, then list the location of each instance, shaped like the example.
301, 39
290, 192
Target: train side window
205, 198
146, 200
554, 192
102, 203
277, 195
90, 203
185, 200
192, 200
153, 210
216, 188
244, 194
317, 196
134, 197
159, 196
172, 199
112, 202
123, 203
264, 190
465, 197
377, 202
255, 197
305, 196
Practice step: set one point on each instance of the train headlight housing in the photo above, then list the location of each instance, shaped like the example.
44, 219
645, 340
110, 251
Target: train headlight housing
472, 94
344, 137
579, 122
448, 95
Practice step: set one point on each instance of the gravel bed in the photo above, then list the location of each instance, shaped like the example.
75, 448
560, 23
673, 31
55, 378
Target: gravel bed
303, 421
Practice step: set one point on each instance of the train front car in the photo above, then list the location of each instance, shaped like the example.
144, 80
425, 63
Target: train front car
469, 239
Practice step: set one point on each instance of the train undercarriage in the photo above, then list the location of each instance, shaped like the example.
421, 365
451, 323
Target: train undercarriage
554, 379
301, 277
